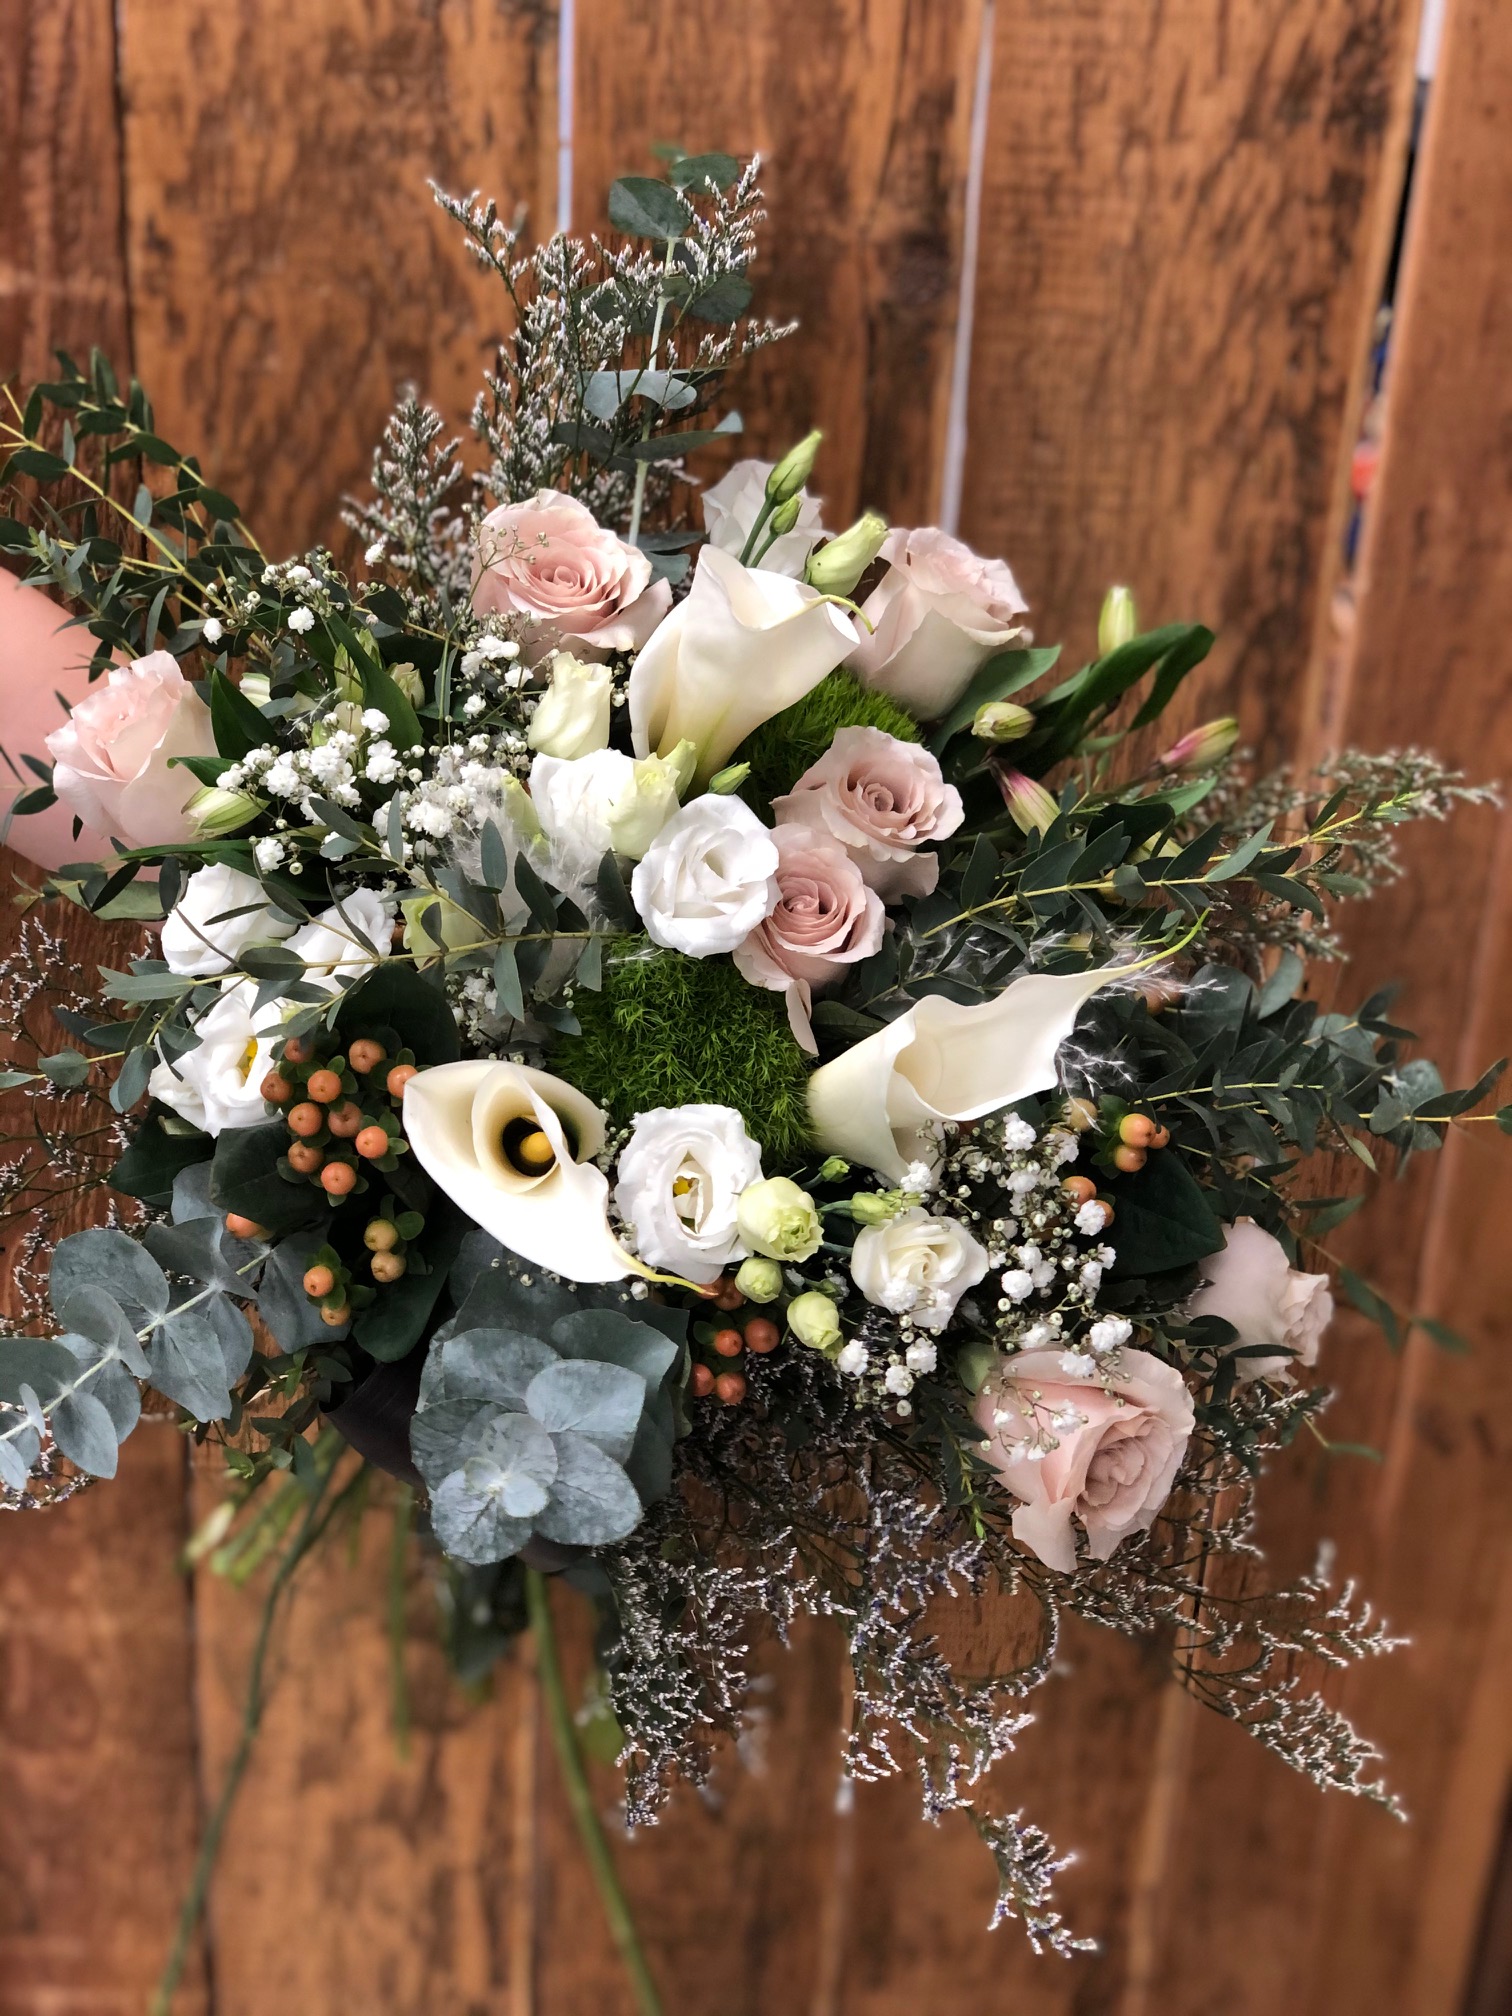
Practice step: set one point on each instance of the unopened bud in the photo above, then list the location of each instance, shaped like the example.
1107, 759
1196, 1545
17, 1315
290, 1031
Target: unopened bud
973, 1365
839, 564
256, 687
759, 1279
874, 1207
812, 1320
724, 783
409, 682
216, 813
682, 760
833, 1168
1002, 721
1202, 748
1118, 621
794, 470
785, 517
1030, 805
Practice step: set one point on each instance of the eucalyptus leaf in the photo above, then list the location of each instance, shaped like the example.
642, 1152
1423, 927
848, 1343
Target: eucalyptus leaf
592, 1501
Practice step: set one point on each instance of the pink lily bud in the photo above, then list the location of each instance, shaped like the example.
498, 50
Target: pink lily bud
1030, 805
1202, 748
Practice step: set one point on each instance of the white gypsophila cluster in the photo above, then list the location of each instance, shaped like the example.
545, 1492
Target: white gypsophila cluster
469, 785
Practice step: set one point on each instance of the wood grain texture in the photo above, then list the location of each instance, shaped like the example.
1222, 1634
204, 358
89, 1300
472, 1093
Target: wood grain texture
861, 112
289, 270
1181, 245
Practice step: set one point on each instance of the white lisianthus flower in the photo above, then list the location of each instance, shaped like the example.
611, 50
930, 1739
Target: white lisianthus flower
199, 937
708, 879
733, 504
1280, 1314
572, 715
680, 1178
219, 1083
330, 945
917, 1266
601, 803
740, 647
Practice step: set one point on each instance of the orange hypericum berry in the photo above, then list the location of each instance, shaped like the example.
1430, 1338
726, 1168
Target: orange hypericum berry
305, 1158
244, 1228
338, 1179
336, 1317
762, 1335
1136, 1130
324, 1086
366, 1054
298, 1050
387, 1266
729, 1297
319, 1281
1080, 1189
398, 1078
728, 1343
1161, 1138
277, 1088
305, 1119
702, 1381
345, 1120
730, 1387
1128, 1159
372, 1142
380, 1235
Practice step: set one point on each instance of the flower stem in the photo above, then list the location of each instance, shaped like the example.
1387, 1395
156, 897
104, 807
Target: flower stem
580, 1798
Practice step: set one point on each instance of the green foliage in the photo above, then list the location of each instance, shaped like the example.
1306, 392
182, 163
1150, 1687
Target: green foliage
665, 1030
783, 748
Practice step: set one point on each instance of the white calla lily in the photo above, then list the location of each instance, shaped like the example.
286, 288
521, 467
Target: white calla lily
743, 645
877, 1104
477, 1130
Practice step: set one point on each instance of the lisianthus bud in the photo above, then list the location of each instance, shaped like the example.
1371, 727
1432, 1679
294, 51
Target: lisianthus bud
1202, 748
793, 471
838, 566
813, 1321
216, 813
759, 1279
785, 517
1118, 620
1002, 721
729, 780
833, 1168
874, 1207
1030, 805
778, 1219
409, 682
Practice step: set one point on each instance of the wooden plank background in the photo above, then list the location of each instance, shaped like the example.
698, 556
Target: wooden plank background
1181, 223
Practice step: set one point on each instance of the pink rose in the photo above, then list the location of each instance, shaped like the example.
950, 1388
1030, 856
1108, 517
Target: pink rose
551, 559
1068, 1448
111, 758
937, 614
1280, 1314
826, 918
882, 799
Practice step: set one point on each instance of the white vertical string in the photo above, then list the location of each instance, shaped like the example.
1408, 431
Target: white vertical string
566, 32
953, 474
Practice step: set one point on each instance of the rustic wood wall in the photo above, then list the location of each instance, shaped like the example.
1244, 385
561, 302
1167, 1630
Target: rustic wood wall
1183, 220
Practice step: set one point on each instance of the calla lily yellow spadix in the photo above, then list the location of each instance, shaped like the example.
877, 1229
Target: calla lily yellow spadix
878, 1103
474, 1128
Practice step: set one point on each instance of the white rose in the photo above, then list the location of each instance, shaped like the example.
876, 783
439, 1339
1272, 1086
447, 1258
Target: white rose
680, 1178
598, 804
572, 715
550, 559
917, 1266
1280, 1314
219, 1083
330, 945
1076, 1443
199, 937
937, 615
732, 506
111, 764
739, 648
708, 879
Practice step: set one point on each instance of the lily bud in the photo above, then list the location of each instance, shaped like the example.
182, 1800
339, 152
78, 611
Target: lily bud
1030, 805
812, 1320
216, 813
793, 471
1202, 748
1001, 721
758, 1279
1118, 620
838, 565
729, 780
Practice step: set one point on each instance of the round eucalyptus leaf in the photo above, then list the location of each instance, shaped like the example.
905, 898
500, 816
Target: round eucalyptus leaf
592, 1500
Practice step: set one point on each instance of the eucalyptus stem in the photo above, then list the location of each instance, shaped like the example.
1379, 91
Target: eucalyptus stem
580, 1797
643, 468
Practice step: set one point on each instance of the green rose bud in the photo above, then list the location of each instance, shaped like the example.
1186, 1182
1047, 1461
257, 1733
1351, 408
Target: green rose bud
794, 470
778, 1219
813, 1321
216, 813
759, 1280
1118, 620
839, 564
874, 1207
1001, 721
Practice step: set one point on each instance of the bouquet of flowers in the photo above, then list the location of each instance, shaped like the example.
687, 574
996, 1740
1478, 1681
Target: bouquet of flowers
693, 1044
